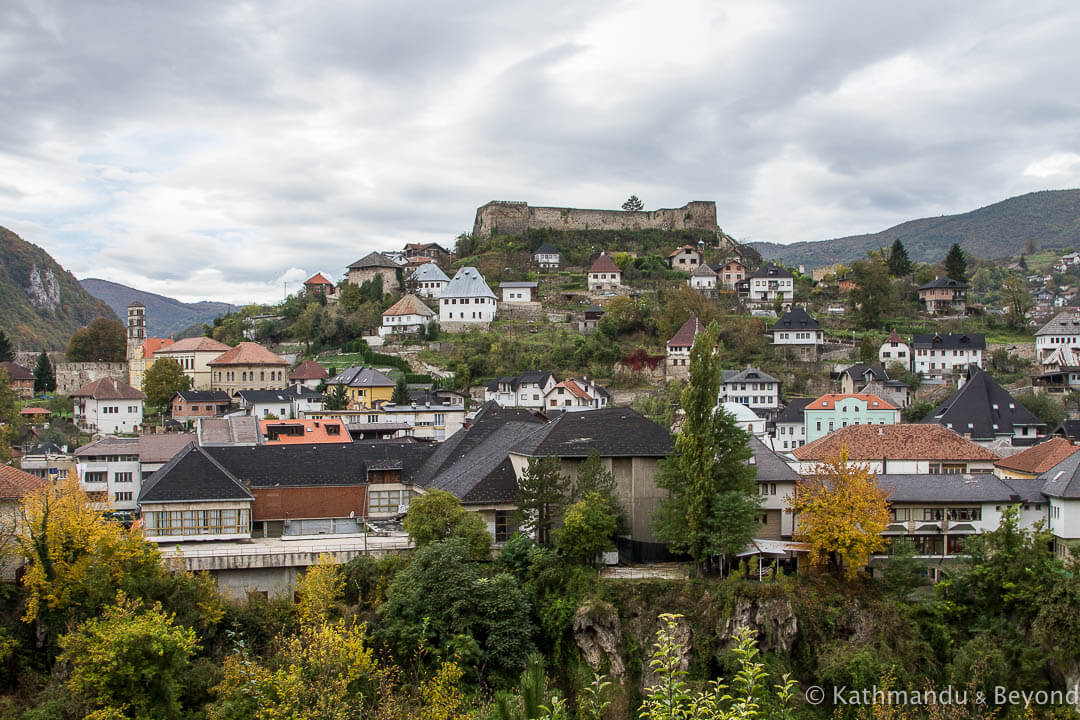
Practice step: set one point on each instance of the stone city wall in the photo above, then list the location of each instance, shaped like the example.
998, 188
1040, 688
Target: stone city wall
514, 218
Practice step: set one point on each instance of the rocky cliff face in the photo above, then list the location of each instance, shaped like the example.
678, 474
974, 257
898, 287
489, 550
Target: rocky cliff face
42, 304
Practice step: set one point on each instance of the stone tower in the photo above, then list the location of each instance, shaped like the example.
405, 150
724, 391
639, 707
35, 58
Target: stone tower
136, 329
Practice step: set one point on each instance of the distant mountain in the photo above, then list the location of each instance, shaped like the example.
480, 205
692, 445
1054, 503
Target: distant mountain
41, 303
1051, 218
165, 316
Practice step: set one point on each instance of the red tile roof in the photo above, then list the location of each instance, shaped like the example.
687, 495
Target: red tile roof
317, 279
1038, 459
894, 442
308, 370
604, 264
314, 431
829, 400
574, 389
249, 353
676, 251
686, 334
34, 411
14, 483
198, 344
17, 372
153, 345
894, 337
108, 389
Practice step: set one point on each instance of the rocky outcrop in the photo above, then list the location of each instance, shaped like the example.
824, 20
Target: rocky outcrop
598, 635
682, 636
43, 290
773, 621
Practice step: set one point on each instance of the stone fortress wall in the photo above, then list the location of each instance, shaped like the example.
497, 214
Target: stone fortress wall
514, 218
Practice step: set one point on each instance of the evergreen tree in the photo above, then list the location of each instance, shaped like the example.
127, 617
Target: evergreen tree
633, 203
874, 298
44, 375
6, 353
401, 393
900, 264
713, 507
956, 264
542, 494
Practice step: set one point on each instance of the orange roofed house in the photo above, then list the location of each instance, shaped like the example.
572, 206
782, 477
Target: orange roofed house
901, 449
142, 358
301, 432
838, 410
194, 356
309, 374
318, 284
14, 485
248, 366
1036, 460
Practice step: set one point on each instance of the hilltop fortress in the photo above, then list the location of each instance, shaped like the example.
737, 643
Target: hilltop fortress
514, 218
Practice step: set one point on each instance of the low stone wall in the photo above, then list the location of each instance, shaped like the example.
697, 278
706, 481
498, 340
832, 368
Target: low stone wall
72, 376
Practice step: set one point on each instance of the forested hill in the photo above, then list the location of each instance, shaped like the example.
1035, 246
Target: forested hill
166, 316
1051, 218
41, 303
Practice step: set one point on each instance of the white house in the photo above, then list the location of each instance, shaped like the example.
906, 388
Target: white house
546, 256
467, 299
703, 278
679, 346
575, 395
407, 315
790, 425
798, 333
428, 280
111, 470
753, 388
518, 291
946, 355
894, 350
1063, 331
771, 283
265, 403
746, 418
108, 406
422, 420
685, 258
525, 390
604, 274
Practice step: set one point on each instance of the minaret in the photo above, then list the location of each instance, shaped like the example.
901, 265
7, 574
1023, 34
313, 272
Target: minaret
136, 336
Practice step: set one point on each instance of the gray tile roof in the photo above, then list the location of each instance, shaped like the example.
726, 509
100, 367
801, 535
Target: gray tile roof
612, 432
795, 319
770, 270
793, 411
361, 377
468, 282
1063, 480
374, 260
949, 341
750, 374
429, 272
191, 476
204, 396
944, 282
946, 488
770, 466
529, 377
545, 249
982, 409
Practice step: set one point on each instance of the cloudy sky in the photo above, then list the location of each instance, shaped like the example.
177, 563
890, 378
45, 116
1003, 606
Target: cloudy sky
216, 150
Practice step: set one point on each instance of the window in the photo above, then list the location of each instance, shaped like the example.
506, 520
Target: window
503, 529
122, 496
387, 501
95, 477
122, 477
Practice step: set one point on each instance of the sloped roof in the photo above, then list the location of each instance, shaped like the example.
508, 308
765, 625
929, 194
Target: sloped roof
249, 353
478, 468
683, 248
604, 264
894, 442
308, 370
769, 270
109, 389
313, 431
204, 396
229, 430
373, 260
974, 488
408, 305
740, 412
162, 447
748, 374
612, 432
1063, 480
828, 401
317, 279
529, 377
1039, 458
519, 284
944, 282
545, 249
35, 411
109, 445
359, 376
192, 475
770, 466
684, 336
467, 282
703, 270
154, 345
894, 337
1064, 323
795, 319
950, 341
429, 272
14, 483
793, 411
573, 388
1069, 429
197, 344
859, 370
981, 408
16, 371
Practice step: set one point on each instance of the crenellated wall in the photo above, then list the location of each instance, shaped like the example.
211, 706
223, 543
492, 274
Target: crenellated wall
514, 218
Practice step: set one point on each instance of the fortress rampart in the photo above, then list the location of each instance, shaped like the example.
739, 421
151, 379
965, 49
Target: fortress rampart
514, 218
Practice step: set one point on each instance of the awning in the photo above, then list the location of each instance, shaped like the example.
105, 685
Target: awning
778, 548
962, 527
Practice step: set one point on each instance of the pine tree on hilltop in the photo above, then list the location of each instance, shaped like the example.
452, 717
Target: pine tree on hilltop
633, 204
44, 375
900, 264
956, 264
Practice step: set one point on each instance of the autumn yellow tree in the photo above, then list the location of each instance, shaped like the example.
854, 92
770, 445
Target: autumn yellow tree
840, 510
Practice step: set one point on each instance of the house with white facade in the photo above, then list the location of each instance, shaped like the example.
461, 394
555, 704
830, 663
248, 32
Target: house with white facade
1063, 331
467, 300
407, 316
108, 406
546, 256
111, 470
901, 449
604, 274
945, 355
519, 291
789, 426
894, 350
745, 418
833, 411
428, 280
685, 258
267, 403
771, 283
776, 484
526, 390
703, 278
986, 413
753, 388
797, 334
575, 395
679, 346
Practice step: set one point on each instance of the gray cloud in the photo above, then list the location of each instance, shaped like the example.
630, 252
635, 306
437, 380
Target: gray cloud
216, 149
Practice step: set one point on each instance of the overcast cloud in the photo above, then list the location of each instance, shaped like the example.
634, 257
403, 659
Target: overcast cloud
215, 150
